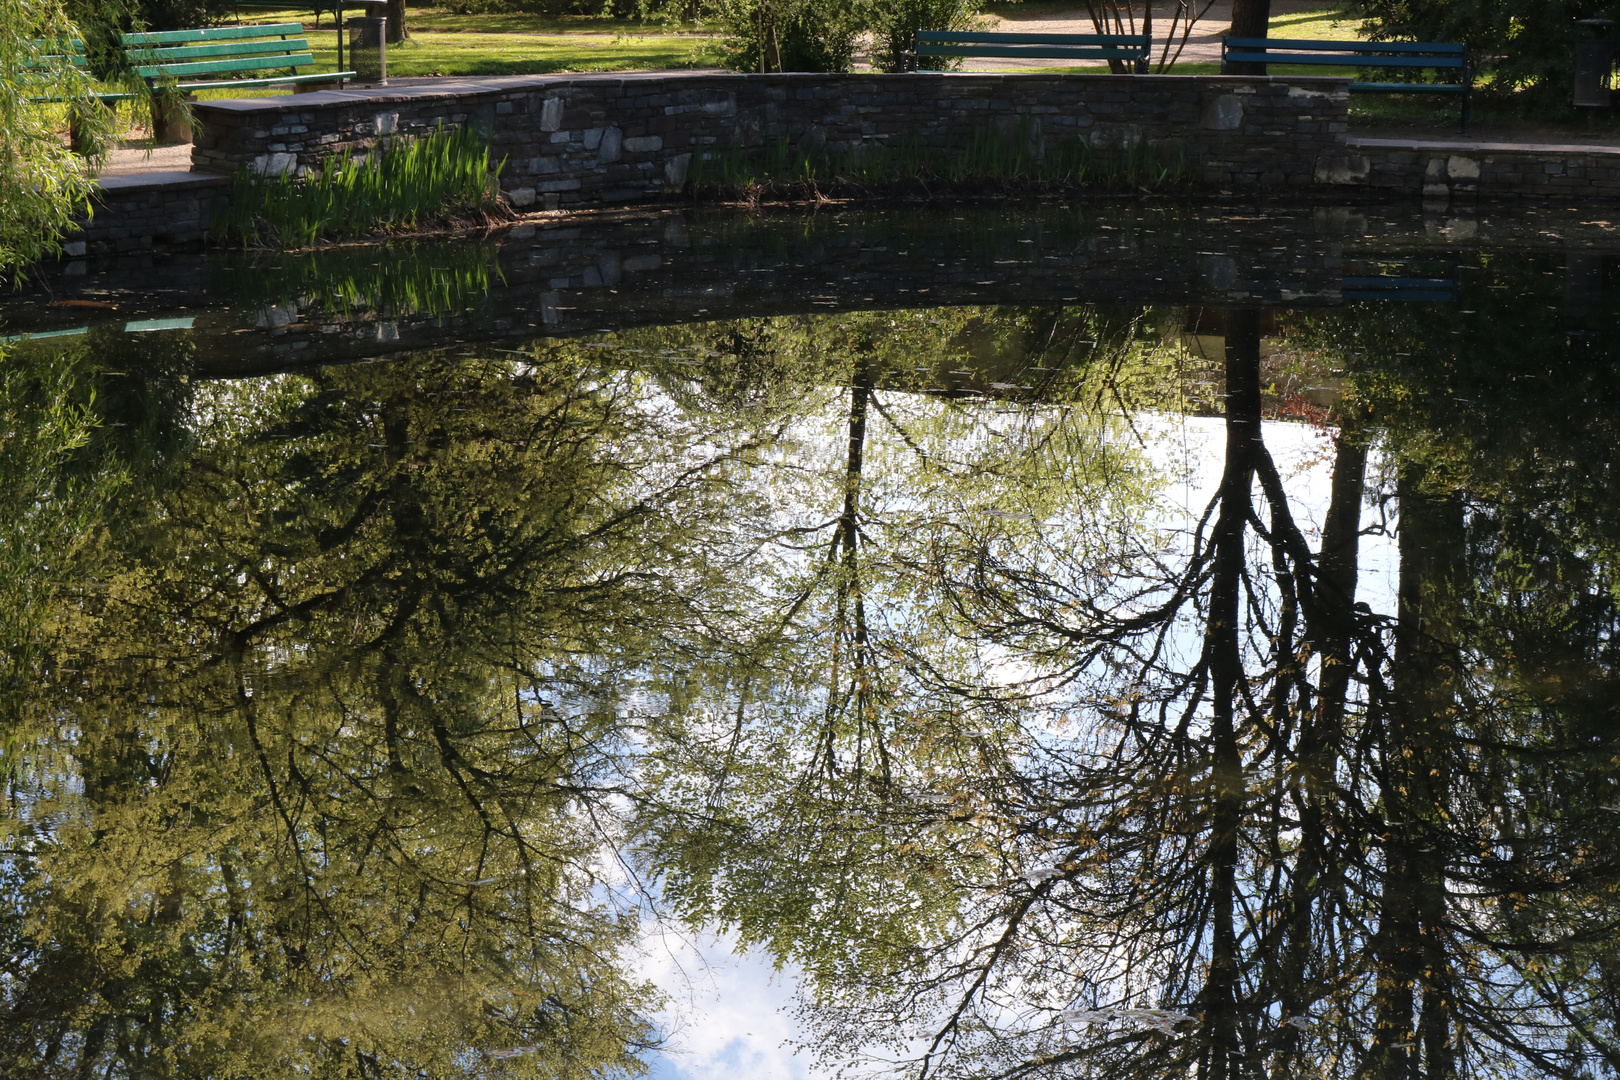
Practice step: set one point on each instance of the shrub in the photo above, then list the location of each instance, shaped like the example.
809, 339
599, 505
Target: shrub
894, 25
1525, 47
789, 35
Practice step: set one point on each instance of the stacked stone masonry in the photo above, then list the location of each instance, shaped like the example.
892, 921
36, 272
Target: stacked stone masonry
615, 139
148, 210
1449, 170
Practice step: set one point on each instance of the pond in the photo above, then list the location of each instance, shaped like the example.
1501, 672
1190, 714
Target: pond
1093, 641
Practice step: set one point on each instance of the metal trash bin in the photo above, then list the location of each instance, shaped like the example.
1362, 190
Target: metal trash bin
1594, 62
368, 43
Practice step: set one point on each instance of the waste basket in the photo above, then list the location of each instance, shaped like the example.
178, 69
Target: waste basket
1594, 61
368, 43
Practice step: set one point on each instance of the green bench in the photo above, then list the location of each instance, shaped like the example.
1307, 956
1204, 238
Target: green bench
54, 54
1130, 49
190, 60
183, 55
1399, 55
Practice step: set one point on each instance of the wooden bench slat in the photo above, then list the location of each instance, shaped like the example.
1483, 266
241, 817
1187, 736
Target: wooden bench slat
1441, 48
213, 33
232, 49
217, 67
72, 59
940, 37
1345, 60
1031, 53
280, 80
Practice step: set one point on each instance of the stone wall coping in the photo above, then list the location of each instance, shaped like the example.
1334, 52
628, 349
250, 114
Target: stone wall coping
172, 180
463, 87
1469, 146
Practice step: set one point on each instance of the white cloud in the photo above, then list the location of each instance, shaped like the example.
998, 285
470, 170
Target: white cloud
730, 1015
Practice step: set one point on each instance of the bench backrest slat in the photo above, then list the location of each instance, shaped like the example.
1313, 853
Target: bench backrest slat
1357, 47
1035, 54
217, 67
1345, 60
235, 50
213, 33
70, 50
941, 37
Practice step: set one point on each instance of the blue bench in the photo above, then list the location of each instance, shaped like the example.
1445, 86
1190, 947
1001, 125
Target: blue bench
1400, 55
1129, 49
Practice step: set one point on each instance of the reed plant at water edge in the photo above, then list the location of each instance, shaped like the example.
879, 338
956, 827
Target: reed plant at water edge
402, 182
988, 156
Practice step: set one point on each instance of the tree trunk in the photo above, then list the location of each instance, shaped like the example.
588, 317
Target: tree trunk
1223, 1054
1250, 19
396, 22
1331, 627
851, 601
1409, 946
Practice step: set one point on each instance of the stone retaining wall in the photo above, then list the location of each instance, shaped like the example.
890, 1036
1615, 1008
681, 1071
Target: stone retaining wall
148, 210
615, 139
1462, 170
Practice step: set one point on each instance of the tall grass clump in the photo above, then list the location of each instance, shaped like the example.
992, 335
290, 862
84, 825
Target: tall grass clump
989, 157
402, 182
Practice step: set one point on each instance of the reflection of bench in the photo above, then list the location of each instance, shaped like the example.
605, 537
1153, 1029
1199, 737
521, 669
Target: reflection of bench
1411, 289
1410, 56
182, 55
1131, 49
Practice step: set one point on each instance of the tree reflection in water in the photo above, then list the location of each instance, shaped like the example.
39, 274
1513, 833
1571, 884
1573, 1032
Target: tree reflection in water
361, 728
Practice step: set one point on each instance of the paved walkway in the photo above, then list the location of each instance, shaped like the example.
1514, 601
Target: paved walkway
1203, 44
142, 158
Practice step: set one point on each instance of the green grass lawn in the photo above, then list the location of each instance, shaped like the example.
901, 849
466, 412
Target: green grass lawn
1329, 24
443, 43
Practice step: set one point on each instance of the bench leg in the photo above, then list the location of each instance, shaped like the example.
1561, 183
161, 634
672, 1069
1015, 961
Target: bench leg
171, 121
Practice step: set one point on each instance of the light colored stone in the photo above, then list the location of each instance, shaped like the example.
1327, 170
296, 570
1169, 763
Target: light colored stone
1224, 113
593, 138
1462, 168
73, 248
551, 114
1345, 169
676, 168
523, 196
643, 144
273, 164
386, 123
612, 142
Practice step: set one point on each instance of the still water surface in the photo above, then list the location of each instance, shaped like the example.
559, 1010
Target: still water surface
1104, 643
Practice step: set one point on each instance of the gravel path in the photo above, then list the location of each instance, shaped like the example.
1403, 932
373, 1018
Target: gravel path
1203, 44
